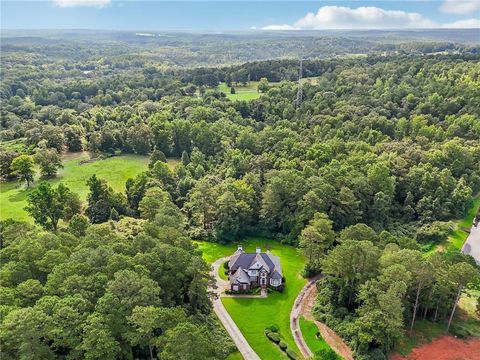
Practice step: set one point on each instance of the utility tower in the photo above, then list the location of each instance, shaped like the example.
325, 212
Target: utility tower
298, 102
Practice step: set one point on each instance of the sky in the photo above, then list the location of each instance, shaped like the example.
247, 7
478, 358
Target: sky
228, 15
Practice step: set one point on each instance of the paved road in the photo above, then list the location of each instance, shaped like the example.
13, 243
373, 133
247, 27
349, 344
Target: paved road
297, 311
238, 338
303, 307
472, 244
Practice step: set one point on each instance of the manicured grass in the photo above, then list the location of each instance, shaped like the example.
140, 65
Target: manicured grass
221, 273
248, 92
252, 316
235, 356
116, 170
309, 333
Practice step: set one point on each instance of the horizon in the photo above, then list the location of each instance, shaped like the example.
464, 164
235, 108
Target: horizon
257, 16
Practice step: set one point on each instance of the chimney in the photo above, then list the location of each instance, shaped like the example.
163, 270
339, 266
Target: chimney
258, 250
240, 248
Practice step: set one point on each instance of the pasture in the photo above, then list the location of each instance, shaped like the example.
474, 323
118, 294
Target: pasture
115, 170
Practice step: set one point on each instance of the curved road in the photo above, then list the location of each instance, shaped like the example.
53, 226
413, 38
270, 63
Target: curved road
303, 306
297, 311
235, 333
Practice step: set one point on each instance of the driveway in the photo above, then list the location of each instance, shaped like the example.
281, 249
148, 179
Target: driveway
472, 244
303, 307
237, 337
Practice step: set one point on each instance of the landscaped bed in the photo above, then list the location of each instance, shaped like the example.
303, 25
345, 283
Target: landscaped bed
253, 316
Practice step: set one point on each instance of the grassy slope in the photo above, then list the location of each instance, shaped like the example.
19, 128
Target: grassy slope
459, 235
115, 170
252, 316
309, 333
248, 92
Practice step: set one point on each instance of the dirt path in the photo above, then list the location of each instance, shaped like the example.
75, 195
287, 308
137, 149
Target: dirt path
242, 345
444, 348
303, 307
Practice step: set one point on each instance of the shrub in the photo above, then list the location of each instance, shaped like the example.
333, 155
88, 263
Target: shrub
292, 354
225, 265
283, 345
272, 328
273, 336
326, 354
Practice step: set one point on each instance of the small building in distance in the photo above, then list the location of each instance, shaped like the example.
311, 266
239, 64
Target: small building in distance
251, 270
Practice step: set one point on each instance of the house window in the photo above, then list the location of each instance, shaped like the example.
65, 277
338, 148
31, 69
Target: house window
274, 282
235, 287
244, 287
253, 272
263, 274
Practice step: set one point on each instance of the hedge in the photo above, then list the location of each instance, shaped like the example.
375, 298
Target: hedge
292, 354
274, 337
283, 345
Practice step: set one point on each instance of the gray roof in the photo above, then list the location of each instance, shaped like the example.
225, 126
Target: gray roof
244, 260
240, 277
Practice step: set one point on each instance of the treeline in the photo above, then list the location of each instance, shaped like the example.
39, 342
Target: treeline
126, 289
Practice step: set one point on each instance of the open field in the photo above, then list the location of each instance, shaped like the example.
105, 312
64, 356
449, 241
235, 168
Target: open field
248, 92
116, 170
309, 333
252, 316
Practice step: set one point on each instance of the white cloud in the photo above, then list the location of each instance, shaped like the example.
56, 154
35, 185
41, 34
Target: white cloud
365, 17
89, 3
464, 24
280, 27
460, 6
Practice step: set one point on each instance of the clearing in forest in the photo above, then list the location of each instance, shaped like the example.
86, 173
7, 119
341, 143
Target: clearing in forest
253, 315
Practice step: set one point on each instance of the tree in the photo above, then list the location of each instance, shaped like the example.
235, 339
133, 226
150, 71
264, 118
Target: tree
161, 171
349, 265
185, 158
22, 166
48, 160
187, 342
460, 274
316, 238
22, 334
232, 90
6, 158
78, 225
48, 206
157, 155
263, 85
139, 138
155, 198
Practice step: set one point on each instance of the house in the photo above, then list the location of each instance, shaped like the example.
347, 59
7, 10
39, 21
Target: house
250, 270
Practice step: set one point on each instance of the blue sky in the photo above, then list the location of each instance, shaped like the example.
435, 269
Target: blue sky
237, 15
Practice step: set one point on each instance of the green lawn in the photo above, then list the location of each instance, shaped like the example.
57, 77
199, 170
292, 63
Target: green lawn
459, 235
116, 170
221, 273
248, 92
309, 333
252, 316
235, 356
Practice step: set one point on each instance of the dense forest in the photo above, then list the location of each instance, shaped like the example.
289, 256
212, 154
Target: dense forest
364, 174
